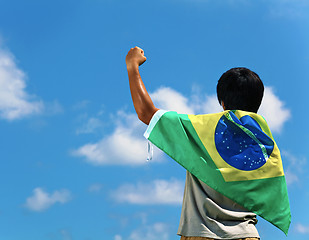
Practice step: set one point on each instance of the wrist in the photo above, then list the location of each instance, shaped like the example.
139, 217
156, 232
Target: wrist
132, 66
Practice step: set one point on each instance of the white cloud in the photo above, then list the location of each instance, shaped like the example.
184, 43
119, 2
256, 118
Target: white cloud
151, 231
288, 8
81, 105
53, 108
41, 200
290, 176
273, 110
90, 126
124, 146
95, 188
302, 228
212, 105
65, 234
294, 166
169, 99
15, 102
155, 192
117, 237
157, 231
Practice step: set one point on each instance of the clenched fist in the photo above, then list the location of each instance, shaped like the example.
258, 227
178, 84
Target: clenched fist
135, 57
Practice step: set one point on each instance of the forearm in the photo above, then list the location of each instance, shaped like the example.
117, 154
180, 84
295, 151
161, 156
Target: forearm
143, 104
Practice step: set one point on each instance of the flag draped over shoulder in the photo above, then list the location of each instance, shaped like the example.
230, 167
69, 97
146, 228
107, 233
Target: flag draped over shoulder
233, 152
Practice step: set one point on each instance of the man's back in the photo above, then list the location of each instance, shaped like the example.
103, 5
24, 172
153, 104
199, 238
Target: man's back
207, 213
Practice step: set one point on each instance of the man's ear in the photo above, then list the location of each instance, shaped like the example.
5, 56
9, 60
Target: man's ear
222, 104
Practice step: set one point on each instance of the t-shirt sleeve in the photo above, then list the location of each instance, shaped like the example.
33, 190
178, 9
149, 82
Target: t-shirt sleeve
155, 118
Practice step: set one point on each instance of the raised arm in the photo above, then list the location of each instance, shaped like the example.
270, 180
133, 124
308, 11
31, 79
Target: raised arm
143, 104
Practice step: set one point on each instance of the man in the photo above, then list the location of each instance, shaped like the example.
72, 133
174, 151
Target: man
206, 214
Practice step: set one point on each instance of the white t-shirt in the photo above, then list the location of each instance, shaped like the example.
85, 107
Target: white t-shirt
207, 213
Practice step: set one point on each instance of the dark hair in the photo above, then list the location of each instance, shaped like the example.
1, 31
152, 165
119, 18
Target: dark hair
240, 89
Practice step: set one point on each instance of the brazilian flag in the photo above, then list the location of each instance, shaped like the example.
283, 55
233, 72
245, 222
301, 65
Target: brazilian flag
233, 152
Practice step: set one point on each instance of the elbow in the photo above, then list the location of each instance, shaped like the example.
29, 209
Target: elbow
145, 116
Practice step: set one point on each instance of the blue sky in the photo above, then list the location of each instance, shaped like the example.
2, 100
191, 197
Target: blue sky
73, 159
